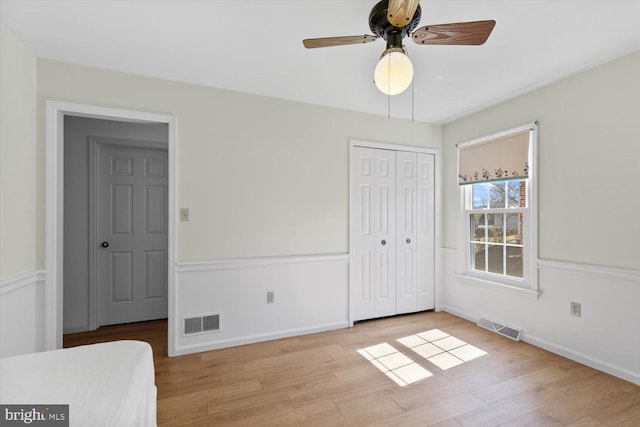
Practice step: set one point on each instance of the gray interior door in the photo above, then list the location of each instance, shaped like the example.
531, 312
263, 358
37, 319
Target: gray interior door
131, 236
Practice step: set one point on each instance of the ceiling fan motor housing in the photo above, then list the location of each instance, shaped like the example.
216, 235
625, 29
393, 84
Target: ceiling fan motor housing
381, 26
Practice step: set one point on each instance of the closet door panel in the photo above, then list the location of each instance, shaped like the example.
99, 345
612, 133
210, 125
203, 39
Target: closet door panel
384, 220
406, 219
425, 233
362, 263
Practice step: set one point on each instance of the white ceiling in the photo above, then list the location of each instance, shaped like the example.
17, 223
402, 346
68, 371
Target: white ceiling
255, 46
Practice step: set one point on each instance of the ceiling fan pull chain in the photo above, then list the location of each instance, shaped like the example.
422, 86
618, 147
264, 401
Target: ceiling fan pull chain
389, 89
413, 97
413, 93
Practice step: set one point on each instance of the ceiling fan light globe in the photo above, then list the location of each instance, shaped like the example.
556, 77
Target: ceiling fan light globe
393, 73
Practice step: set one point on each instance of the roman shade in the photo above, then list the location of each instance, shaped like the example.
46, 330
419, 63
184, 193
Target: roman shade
500, 158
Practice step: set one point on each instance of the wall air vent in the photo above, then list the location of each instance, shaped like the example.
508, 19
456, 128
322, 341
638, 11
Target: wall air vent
211, 323
201, 324
507, 331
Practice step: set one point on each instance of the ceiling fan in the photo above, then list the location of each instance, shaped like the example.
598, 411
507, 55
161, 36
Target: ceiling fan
393, 20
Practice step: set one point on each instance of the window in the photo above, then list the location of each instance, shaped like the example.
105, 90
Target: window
498, 208
496, 220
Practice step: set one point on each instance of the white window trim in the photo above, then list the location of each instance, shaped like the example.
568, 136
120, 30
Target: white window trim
529, 285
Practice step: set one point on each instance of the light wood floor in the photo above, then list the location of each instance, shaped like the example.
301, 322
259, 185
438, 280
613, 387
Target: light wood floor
323, 380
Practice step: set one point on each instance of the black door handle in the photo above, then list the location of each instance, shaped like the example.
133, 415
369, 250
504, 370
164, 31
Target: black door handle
104, 244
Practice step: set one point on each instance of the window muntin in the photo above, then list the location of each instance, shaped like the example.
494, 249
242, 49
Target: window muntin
496, 213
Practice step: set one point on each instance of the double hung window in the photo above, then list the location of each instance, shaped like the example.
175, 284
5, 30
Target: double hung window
497, 208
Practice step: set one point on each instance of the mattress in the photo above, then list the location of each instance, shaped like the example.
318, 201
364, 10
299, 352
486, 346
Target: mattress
109, 384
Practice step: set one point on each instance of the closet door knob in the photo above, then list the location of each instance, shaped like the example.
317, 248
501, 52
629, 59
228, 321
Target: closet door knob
104, 244
408, 240
384, 242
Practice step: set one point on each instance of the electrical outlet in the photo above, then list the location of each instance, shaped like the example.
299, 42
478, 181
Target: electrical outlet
576, 309
271, 297
184, 214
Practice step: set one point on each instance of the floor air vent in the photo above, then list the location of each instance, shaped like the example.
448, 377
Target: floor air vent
200, 324
508, 332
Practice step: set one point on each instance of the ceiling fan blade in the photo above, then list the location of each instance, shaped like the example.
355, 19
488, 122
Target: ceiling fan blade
460, 33
337, 41
400, 12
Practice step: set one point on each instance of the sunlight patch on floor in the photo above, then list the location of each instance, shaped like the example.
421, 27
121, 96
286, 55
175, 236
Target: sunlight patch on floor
443, 350
395, 365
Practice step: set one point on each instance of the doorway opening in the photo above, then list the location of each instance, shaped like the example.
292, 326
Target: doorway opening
115, 228
56, 114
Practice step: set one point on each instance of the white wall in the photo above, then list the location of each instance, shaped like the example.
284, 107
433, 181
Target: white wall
261, 176
76, 205
22, 314
588, 217
311, 295
21, 302
265, 180
17, 156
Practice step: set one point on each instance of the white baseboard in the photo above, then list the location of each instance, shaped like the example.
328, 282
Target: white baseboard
594, 363
196, 348
311, 295
599, 338
459, 313
560, 350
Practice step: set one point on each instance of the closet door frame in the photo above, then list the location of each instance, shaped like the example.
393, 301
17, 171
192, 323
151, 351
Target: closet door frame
353, 143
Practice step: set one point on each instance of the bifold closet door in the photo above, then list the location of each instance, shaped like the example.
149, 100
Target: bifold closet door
415, 261
373, 186
392, 218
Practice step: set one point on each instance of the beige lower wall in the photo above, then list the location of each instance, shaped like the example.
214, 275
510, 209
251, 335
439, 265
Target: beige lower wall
260, 176
589, 147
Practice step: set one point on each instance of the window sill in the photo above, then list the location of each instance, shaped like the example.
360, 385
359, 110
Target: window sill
468, 279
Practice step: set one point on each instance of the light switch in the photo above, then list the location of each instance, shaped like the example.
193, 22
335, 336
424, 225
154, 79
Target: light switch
184, 214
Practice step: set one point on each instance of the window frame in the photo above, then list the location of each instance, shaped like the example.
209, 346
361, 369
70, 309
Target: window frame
529, 281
